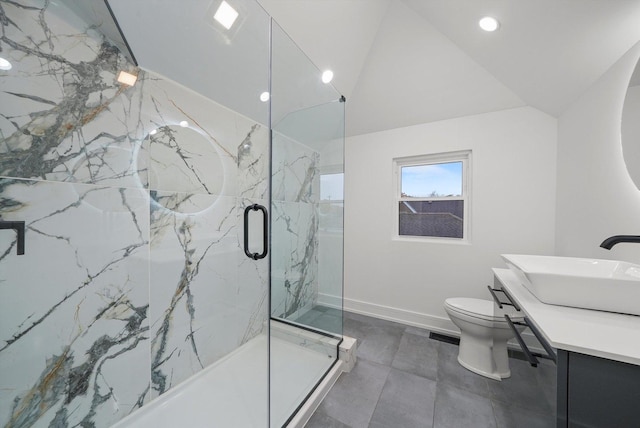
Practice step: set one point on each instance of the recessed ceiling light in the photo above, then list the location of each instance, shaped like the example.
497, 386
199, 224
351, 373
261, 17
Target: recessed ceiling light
184, 123
225, 15
4, 64
489, 23
264, 97
127, 78
327, 76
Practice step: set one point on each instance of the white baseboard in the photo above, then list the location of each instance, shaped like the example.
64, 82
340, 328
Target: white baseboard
330, 300
403, 316
432, 323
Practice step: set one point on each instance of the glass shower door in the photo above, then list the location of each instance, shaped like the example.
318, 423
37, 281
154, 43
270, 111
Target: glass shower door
306, 227
133, 278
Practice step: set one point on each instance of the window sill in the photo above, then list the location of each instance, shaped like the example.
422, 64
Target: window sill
430, 240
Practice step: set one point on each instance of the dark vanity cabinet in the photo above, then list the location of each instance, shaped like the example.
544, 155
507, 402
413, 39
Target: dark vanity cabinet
592, 391
597, 392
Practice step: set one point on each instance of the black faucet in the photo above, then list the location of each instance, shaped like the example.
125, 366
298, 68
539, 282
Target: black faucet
616, 239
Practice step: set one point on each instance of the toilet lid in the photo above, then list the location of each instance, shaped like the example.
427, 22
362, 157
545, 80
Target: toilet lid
479, 308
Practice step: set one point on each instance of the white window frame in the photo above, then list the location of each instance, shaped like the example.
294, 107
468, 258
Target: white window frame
463, 156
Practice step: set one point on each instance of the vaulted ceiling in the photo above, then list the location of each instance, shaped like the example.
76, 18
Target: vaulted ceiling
405, 62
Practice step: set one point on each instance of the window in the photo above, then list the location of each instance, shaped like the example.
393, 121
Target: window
332, 187
432, 198
332, 201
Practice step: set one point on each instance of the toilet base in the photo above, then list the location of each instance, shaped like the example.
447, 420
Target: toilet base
483, 337
492, 375
487, 357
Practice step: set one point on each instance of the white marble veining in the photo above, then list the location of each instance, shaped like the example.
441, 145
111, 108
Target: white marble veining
295, 225
60, 98
296, 174
74, 310
294, 258
219, 152
194, 283
134, 277
598, 333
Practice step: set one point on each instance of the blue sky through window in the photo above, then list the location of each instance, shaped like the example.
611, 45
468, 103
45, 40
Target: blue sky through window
442, 179
332, 187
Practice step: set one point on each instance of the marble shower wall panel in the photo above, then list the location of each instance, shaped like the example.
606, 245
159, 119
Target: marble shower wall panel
74, 346
198, 172
63, 115
199, 175
198, 304
198, 146
296, 174
294, 258
252, 302
254, 164
294, 211
252, 305
133, 224
193, 279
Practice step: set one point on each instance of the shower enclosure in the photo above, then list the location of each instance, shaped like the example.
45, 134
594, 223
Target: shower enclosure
175, 183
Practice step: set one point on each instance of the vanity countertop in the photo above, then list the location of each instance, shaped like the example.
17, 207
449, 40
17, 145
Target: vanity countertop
602, 334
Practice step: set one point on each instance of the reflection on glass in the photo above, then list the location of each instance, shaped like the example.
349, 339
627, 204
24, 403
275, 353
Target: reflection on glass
225, 15
227, 65
183, 160
127, 78
5, 64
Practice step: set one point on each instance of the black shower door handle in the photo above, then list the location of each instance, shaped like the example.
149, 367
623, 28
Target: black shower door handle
18, 226
265, 236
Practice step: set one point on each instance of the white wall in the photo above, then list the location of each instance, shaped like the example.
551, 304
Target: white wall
512, 211
596, 197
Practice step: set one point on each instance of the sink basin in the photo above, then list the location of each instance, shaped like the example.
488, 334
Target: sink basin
604, 285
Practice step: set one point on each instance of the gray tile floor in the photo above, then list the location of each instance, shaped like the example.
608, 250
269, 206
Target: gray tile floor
323, 318
403, 379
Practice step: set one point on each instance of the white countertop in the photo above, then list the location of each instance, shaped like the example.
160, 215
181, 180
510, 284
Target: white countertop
602, 334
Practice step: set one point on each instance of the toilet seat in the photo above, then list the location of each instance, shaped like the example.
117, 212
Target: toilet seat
478, 308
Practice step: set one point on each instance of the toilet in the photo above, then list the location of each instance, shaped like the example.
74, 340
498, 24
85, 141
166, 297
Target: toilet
483, 335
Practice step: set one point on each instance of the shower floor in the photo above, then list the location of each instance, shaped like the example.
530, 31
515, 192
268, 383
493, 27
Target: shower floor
233, 391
